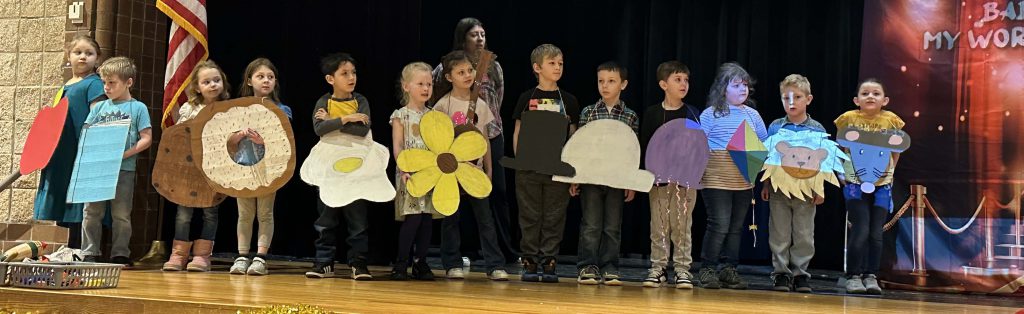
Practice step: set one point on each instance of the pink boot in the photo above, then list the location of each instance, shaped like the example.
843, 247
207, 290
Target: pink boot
201, 252
179, 256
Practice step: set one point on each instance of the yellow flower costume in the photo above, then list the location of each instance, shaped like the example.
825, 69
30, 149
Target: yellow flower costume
445, 166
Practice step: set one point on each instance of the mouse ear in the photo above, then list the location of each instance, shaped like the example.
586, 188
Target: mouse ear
851, 135
895, 140
899, 141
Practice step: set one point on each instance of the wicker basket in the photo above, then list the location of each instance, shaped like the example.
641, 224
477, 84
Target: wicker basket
64, 276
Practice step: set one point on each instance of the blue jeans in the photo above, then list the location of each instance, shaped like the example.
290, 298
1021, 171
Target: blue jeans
356, 220
600, 227
120, 211
183, 223
451, 239
727, 214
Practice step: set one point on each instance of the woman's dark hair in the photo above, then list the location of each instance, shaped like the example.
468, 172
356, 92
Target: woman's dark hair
463, 27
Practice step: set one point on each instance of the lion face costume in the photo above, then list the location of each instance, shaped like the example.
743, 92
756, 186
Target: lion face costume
799, 163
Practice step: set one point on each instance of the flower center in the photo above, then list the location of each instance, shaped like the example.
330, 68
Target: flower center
447, 163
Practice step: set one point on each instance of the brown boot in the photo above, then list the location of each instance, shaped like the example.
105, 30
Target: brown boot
179, 256
201, 252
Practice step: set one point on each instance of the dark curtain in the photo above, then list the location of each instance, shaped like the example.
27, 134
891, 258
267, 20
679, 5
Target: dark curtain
771, 39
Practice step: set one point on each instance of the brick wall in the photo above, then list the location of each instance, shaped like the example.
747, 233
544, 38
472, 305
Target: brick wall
31, 69
32, 38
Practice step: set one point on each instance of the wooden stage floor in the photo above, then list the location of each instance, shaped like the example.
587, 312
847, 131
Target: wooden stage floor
153, 291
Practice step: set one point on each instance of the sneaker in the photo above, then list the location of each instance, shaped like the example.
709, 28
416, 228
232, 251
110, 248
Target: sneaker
529, 270
400, 271
498, 274
684, 280
321, 270
455, 273
550, 274
89, 258
240, 266
421, 271
587, 275
258, 267
781, 282
871, 284
655, 277
611, 279
854, 285
730, 278
708, 278
802, 284
359, 271
123, 260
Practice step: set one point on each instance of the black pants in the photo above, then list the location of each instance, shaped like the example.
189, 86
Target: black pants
542, 204
865, 243
499, 202
356, 222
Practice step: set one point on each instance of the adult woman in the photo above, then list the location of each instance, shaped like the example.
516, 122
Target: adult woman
470, 36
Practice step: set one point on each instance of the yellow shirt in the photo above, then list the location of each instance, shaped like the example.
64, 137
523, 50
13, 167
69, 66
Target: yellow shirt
338, 109
885, 120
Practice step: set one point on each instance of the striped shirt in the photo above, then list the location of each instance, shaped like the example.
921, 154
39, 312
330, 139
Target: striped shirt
721, 129
721, 172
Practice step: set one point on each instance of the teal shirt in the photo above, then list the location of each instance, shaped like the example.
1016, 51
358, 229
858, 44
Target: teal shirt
80, 95
134, 110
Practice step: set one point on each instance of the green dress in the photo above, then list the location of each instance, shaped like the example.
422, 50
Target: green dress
51, 196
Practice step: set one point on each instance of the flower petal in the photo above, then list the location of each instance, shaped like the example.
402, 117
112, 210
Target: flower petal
437, 130
422, 182
469, 146
473, 180
446, 195
415, 159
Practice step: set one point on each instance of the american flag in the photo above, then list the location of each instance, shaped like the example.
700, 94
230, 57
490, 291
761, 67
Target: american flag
186, 47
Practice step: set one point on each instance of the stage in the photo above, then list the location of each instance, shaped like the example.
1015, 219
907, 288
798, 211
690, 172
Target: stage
154, 291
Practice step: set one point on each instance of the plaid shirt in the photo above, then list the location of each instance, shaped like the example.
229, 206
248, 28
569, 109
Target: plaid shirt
619, 112
784, 123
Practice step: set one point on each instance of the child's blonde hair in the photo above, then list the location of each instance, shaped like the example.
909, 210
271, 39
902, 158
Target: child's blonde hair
194, 96
796, 81
407, 73
544, 51
247, 90
122, 67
